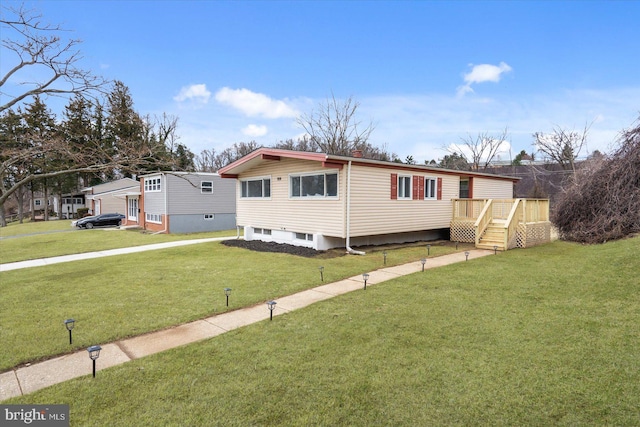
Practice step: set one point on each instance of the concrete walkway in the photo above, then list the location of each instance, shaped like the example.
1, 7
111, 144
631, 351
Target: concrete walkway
110, 252
28, 379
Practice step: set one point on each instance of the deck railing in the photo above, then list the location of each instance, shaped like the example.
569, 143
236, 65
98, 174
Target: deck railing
484, 219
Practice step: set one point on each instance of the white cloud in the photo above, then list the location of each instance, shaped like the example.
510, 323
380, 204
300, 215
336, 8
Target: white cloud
483, 73
255, 104
255, 130
197, 93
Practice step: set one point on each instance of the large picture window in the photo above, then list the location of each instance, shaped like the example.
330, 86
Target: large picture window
314, 185
255, 188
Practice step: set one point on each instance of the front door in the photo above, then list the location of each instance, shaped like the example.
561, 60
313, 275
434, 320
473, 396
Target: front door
133, 209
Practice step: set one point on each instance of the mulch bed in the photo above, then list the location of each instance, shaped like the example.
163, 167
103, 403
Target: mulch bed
259, 246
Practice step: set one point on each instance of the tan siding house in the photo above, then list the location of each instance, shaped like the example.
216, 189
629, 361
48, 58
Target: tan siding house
325, 201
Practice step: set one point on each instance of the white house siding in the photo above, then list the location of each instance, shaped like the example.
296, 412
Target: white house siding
484, 188
280, 212
373, 212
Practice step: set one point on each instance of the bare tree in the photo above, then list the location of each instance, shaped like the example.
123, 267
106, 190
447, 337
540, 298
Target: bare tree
38, 46
562, 146
334, 129
478, 152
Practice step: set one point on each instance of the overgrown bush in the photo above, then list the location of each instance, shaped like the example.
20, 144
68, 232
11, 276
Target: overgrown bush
603, 202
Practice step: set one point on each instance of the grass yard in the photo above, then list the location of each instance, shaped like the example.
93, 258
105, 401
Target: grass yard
120, 296
543, 336
34, 240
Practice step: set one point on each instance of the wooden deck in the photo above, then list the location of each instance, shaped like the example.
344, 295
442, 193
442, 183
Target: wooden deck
501, 224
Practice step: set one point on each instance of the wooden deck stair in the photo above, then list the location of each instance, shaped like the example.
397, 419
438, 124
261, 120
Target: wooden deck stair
494, 235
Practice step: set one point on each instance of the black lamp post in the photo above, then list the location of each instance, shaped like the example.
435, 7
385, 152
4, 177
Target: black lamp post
68, 212
94, 353
227, 292
365, 277
321, 273
384, 254
428, 250
495, 250
466, 254
423, 261
69, 324
272, 306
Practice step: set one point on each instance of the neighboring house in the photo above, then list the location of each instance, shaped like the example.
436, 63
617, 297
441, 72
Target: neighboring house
70, 205
326, 201
110, 197
182, 202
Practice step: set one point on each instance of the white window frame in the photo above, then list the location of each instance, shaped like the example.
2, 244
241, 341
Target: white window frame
153, 185
206, 187
304, 236
153, 218
37, 202
402, 187
244, 182
427, 187
325, 196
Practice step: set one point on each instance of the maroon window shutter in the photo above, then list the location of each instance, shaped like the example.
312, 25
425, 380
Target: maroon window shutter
421, 188
471, 187
394, 186
439, 189
416, 187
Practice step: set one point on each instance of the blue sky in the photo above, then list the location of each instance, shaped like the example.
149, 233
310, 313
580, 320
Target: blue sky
425, 73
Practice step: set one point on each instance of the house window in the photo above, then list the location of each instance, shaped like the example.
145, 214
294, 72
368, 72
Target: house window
464, 188
151, 184
206, 187
266, 232
304, 236
155, 218
209, 217
255, 188
404, 187
314, 185
430, 186
37, 202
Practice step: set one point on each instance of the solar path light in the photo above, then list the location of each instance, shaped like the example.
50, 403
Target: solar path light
423, 261
495, 250
428, 250
69, 324
94, 353
321, 273
272, 306
466, 254
227, 292
365, 277
384, 254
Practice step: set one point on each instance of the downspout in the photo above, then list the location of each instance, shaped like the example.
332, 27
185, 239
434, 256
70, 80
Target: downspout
348, 198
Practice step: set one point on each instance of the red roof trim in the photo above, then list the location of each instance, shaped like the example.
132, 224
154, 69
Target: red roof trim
329, 160
269, 157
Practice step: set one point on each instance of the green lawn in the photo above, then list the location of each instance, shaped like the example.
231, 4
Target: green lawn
120, 296
543, 336
22, 242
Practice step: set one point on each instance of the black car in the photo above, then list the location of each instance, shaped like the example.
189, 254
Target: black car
113, 219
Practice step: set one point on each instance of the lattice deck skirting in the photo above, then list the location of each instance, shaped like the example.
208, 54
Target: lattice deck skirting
462, 231
533, 233
527, 235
